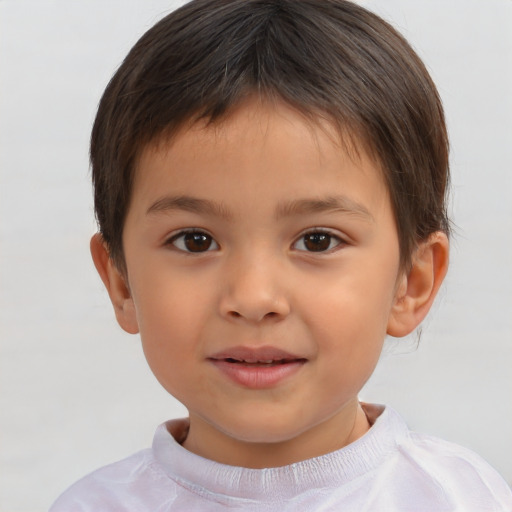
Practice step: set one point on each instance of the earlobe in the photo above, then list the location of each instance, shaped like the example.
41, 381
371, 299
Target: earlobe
417, 289
116, 285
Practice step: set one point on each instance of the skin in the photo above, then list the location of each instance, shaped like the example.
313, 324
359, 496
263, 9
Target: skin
270, 178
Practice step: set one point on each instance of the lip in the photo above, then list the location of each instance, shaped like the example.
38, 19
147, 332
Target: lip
257, 368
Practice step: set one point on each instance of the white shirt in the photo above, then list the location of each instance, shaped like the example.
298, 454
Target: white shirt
388, 469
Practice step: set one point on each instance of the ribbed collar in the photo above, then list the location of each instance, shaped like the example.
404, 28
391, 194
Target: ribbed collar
222, 482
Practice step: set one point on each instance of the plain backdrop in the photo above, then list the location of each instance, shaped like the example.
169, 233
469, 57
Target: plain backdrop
75, 392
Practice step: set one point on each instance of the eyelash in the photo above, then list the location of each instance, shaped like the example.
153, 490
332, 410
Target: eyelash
323, 236
197, 232
330, 236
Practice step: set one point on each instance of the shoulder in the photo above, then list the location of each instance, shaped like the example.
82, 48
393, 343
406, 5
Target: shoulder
444, 455
129, 484
423, 473
456, 475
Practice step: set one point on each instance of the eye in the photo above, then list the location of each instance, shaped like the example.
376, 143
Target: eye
317, 241
193, 241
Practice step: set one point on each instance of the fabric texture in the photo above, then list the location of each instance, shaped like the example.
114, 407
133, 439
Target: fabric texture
388, 469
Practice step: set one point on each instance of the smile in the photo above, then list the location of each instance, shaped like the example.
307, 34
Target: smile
259, 368
269, 362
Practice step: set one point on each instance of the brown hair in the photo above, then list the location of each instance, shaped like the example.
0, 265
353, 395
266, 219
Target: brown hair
326, 58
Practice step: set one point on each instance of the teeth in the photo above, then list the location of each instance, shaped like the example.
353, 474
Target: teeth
257, 361
266, 362
250, 361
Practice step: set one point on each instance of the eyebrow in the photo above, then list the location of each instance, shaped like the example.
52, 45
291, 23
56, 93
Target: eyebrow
189, 204
342, 204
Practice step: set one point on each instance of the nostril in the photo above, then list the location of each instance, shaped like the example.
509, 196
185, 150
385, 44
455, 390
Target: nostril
269, 315
253, 308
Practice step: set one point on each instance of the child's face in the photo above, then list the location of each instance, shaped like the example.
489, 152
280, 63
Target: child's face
261, 239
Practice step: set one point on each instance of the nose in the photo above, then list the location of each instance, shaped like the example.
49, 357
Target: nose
254, 290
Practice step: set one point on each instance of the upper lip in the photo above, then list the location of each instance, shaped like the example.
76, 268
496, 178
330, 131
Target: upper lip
255, 355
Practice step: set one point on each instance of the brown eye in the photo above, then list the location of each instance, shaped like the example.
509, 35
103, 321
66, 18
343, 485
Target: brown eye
317, 241
197, 242
194, 241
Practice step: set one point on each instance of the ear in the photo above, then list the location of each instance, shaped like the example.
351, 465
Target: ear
417, 288
116, 285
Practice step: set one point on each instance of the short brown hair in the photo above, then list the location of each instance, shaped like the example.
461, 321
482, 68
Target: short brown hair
326, 58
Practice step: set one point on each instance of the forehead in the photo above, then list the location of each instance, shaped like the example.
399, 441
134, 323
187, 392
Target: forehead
257, 142
261, 117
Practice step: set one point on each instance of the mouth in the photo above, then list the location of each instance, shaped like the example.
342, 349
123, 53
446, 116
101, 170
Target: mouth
264, 364
259, 368
260, 356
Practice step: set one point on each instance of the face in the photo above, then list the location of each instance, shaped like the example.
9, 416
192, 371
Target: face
262, 262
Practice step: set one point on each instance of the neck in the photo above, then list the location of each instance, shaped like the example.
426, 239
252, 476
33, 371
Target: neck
343, 428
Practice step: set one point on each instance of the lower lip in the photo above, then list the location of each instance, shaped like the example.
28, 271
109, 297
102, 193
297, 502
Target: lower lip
258, 377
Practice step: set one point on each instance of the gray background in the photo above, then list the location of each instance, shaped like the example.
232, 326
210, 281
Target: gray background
75, 392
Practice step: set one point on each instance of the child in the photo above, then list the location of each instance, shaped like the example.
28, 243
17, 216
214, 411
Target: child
270, 180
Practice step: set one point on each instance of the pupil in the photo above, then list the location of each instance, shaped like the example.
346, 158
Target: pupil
317, 241
197, 242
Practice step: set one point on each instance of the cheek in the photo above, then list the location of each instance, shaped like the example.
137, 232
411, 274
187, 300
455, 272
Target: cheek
171, 323
171, 355
167, 303
355, 304
349, 322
